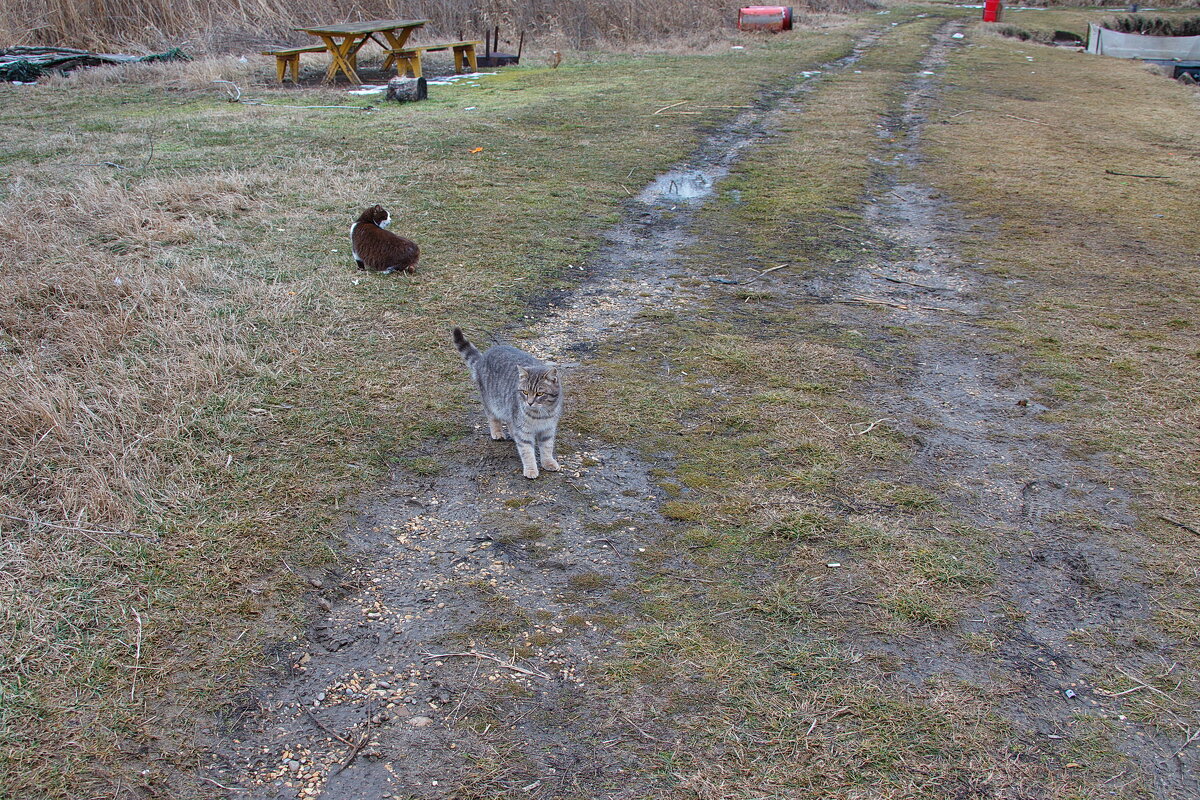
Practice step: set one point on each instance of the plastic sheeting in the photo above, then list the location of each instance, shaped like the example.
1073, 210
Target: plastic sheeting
1104, 42
26, 64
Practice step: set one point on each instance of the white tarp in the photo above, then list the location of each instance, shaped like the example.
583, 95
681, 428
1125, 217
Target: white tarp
1104, 42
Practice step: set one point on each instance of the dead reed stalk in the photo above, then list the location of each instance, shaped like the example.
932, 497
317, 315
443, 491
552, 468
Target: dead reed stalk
206, 26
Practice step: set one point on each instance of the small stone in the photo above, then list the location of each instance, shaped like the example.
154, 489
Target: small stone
419, 722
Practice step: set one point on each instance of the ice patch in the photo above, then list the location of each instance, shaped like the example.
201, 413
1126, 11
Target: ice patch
470, 76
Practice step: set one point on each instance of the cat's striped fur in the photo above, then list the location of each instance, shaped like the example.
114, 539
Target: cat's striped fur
520, 392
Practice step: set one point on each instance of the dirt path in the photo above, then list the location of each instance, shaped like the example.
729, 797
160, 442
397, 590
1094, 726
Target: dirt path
461, 651
458, 653
1070, 600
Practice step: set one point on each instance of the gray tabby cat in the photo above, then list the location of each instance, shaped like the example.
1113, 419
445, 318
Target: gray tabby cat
518, 391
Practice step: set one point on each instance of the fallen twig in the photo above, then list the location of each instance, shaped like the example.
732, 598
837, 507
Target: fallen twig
634, 725
256, 102
1133, 175
870, 427
664, 108
911, 283
943, 308
321, 725
868, 301
1142, 684
366, 737
150, 155
1176, 522
463, 695
1010, 116
62, 527
137, 656
771, 269
497, 659
1191, 738
612, 545
704, 108
223, 786
1103, 693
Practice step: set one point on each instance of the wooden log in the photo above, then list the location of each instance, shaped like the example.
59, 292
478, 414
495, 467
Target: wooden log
407, 90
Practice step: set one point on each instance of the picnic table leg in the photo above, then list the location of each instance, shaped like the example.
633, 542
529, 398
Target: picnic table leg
345, 57
395, 43
281, 65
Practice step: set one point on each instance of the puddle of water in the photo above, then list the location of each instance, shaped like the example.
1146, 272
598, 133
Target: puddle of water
683, 186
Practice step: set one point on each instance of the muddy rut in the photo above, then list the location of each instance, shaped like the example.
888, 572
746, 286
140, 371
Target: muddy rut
459, 653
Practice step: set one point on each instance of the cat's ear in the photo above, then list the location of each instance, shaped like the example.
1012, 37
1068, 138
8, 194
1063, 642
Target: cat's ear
522, 376
552, 373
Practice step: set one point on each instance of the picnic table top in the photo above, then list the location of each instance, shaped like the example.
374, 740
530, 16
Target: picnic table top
364, 27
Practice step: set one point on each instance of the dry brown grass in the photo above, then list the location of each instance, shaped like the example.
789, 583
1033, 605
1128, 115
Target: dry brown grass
1109, 258
203, 25
195, 75
109, 351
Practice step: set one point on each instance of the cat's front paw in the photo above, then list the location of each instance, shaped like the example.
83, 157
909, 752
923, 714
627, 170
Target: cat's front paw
531, 472
550, 464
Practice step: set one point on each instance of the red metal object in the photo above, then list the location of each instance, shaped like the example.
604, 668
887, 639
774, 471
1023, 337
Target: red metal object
991, 10
765, 18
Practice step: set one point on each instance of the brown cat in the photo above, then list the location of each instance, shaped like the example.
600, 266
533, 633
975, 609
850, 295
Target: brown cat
378, 250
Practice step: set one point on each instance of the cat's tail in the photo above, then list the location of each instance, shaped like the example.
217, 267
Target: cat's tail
466, 349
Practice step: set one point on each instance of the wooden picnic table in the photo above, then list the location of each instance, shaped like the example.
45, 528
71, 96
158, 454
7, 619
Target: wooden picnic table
345, 40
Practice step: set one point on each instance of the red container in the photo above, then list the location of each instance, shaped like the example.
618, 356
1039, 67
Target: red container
991, 10
765, 18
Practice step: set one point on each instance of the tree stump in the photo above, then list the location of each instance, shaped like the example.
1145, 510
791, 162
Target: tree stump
407, 90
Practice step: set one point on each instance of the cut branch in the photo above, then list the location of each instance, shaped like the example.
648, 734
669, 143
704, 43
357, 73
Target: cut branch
489, 657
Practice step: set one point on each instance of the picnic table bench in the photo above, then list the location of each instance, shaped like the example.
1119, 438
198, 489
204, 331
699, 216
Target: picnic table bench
408, 59
288, 60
